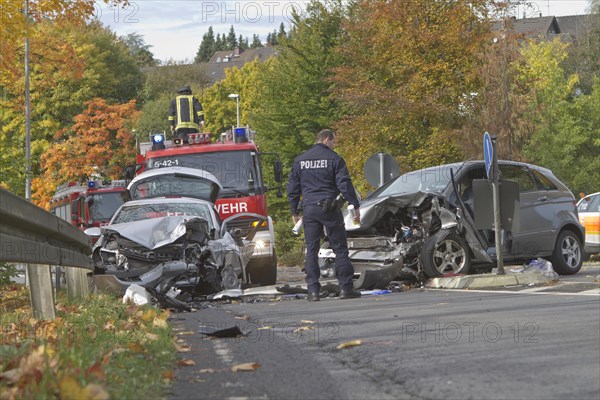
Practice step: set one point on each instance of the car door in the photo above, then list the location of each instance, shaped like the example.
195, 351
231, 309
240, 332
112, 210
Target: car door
537, 232
589, 216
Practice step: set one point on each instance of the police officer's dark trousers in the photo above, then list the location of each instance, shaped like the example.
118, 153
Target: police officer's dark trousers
314, 219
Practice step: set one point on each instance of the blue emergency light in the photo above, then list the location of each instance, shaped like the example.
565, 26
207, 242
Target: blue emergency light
240, 135
158, 141
91, 184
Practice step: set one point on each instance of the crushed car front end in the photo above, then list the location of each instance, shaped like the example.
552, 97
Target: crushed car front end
392, 234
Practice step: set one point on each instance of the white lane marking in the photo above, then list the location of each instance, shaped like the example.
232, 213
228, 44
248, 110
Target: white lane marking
223, 351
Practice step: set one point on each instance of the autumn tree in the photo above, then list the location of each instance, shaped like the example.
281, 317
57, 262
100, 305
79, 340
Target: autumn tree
100, 143
70, 64
504, 104
408, 66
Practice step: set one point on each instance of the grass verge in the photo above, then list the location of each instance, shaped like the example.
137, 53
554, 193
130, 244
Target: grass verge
95, 348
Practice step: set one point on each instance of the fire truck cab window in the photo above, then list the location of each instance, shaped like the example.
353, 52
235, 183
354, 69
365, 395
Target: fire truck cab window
103, 205
236, 170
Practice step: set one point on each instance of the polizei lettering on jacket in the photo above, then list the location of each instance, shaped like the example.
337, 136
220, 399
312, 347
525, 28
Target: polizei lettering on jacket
313, 164
232, 208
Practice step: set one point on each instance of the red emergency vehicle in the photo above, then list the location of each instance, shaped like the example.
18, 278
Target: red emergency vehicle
92, 204
234, 159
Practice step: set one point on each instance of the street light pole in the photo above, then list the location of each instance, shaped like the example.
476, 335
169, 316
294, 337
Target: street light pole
237, 107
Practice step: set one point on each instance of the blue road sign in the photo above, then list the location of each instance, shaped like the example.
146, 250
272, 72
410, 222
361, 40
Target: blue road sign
488, 153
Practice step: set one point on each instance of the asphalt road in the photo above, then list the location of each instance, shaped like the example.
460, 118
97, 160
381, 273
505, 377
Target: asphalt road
432, 344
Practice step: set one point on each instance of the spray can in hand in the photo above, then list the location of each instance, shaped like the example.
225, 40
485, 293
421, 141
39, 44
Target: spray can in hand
352, 212
298, 227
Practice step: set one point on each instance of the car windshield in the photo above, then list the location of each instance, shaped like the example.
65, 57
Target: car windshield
137, 212
434, 179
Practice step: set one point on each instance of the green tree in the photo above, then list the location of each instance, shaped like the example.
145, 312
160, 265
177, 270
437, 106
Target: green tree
139, 50
295, 100
207, 47
231, 41
584, 53
169, 78
220, 42
566, 137
153, 117
256, 43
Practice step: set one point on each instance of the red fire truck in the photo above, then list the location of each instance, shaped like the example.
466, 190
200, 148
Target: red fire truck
91, 205
235, 160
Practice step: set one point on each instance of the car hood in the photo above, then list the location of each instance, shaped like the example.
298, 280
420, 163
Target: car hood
157, 232
372, 210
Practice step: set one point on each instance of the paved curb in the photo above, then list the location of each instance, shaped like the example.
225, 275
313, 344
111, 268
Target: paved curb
486, 281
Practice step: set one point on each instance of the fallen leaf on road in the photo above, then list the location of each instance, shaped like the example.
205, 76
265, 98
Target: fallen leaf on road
245, 367
351, 343
264, 327
185, 333
186, 363
303, 328
307, 321
244, 317
184, 348
207, 371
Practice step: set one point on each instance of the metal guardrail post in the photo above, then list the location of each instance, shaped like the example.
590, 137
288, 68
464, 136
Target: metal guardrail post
34, 236
40, 291
77, 282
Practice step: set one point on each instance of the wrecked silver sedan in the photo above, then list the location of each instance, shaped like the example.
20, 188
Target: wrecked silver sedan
422, 224
176, 242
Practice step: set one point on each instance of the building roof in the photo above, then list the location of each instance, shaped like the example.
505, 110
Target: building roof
215, 67
530, 27
243, 56
577, 25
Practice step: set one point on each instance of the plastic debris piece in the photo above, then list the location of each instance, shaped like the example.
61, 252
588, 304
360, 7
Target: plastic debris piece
379, 291
137, 294
231, 293
221, 333
540, 266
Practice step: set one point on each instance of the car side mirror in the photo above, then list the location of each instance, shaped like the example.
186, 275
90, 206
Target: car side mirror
278, 171
93, 232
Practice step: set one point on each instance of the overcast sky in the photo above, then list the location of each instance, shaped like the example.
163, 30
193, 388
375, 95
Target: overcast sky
175, 28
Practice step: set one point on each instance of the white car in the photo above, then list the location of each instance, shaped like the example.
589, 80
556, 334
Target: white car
589, 216
171, 235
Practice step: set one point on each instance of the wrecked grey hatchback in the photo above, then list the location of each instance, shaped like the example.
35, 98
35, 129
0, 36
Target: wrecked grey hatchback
175, 242
422, 224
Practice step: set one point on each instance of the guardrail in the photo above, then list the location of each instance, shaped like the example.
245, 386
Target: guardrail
30, 234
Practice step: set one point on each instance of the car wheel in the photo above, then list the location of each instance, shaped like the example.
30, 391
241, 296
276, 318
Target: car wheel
445, 253
568, 254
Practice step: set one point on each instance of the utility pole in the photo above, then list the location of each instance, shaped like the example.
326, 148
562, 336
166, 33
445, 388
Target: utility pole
27, 110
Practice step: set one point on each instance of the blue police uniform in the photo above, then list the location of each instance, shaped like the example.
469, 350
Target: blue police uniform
317, 175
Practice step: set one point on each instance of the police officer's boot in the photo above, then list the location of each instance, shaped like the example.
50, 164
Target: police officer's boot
349, 294
313, 296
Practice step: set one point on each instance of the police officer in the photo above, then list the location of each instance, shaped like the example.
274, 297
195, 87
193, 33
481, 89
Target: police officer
185, 113
318, 176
